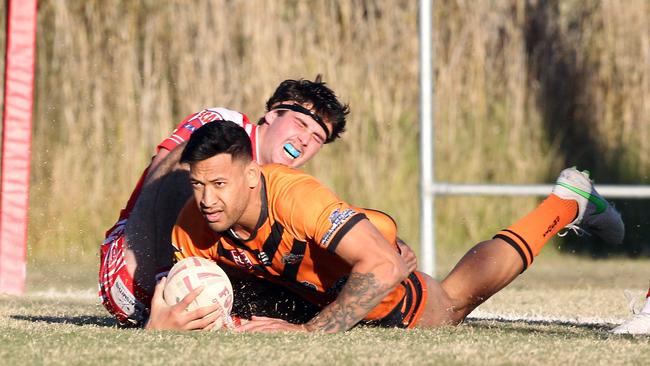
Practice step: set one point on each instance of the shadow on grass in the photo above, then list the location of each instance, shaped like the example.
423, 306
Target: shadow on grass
102, 321
524, 325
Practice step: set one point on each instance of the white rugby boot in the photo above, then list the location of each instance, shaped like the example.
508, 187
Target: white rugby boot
639, 323
595, 216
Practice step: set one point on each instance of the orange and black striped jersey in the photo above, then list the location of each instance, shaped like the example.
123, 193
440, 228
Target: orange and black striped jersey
294, 243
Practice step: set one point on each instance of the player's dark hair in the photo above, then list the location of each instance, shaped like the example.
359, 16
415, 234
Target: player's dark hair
218, 137
325, 103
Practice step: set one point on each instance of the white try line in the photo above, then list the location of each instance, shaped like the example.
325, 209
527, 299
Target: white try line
78, 295
478, 314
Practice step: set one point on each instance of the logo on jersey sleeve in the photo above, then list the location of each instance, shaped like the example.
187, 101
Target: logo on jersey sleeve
207, 115
337, 218
190, 127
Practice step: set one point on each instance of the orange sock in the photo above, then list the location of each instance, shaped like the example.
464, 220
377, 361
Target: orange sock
532, 232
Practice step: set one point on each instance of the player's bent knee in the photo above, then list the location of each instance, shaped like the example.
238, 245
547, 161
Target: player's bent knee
440, 309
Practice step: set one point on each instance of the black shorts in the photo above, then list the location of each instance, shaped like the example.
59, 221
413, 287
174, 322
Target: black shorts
408, 311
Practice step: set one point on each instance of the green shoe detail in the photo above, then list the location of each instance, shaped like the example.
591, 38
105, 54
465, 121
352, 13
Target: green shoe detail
600, 204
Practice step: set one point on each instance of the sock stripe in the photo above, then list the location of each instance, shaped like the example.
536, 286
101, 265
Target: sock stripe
532, 257
512, 243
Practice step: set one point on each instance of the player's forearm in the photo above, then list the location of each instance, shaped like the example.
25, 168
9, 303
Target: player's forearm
361, 293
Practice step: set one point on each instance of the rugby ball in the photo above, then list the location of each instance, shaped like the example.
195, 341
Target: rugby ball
192, 272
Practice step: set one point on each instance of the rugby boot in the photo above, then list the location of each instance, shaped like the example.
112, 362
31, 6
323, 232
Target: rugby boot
596, 216
639, 323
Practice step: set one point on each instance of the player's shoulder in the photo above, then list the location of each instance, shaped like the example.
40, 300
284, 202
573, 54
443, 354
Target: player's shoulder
274, 173
221, 114
283, 182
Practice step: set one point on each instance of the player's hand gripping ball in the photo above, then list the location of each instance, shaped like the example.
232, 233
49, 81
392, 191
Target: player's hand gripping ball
192, 272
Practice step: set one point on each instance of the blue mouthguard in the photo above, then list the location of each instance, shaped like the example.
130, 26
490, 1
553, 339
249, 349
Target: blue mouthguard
291, 150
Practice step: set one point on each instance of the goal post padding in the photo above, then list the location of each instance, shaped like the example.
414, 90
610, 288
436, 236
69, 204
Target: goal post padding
16, 142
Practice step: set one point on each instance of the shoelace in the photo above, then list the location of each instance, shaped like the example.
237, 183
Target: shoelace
576, 230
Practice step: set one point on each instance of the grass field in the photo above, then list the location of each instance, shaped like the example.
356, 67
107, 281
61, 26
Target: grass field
556, 313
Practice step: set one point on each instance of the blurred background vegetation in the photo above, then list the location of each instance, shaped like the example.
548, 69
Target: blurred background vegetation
522, 89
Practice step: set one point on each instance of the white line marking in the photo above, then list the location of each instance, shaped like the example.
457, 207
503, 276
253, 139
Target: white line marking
577, 320
89, 294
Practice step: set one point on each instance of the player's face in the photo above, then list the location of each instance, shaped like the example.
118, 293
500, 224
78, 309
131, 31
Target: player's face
291, 138
222, 189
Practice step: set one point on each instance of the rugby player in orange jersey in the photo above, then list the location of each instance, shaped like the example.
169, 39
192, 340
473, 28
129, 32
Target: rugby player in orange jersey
284, 227
136, 248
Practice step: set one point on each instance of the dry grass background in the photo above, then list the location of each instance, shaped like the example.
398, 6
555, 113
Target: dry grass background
523, 88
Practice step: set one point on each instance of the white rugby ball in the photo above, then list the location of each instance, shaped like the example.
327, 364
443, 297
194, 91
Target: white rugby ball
192, 272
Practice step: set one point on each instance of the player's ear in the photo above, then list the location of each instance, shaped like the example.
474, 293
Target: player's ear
271, 116
252, 173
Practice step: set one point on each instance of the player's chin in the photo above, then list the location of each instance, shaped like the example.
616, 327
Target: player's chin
285, 160
296, 163
218, 226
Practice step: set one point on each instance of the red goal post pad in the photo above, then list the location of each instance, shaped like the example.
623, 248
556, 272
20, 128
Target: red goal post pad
16, 143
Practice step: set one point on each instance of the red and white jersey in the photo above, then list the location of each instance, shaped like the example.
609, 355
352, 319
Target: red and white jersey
182, 133
184, 130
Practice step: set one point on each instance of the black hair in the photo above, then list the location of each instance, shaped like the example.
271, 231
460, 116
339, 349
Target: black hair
322, 99
218, 137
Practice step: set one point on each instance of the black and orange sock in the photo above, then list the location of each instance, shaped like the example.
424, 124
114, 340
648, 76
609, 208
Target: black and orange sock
528, 235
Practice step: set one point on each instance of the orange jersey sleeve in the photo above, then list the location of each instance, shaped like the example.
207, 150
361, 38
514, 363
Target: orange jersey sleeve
308, 209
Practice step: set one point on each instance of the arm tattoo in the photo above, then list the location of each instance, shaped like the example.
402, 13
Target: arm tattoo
361, 293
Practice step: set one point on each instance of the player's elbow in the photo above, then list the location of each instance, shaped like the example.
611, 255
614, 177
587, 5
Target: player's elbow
395, 271
387, 271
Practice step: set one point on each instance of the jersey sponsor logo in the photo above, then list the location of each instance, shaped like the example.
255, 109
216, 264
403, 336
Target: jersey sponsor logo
207, 115
123, 298
190, 127
241, 259
264, 258
337, 218
291, 258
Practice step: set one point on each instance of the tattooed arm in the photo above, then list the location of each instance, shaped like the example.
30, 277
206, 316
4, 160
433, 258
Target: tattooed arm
376, 270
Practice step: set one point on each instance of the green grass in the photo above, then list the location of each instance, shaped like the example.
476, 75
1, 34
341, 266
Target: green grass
556, 313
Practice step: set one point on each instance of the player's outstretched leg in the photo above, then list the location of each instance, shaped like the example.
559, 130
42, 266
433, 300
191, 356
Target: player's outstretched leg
492, 264
639, 323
